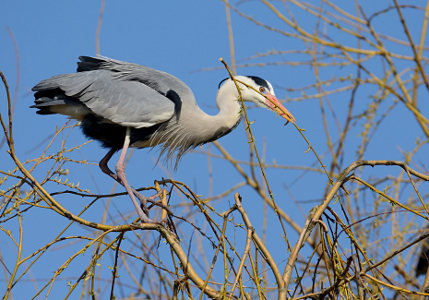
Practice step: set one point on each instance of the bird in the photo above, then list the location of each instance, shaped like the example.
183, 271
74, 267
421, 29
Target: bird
124, 105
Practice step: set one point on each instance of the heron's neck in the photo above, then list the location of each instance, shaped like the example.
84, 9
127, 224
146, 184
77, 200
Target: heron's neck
194, 127
211, 127
227, 101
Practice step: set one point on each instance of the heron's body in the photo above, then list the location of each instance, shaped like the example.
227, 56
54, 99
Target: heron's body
109, 95
123, 104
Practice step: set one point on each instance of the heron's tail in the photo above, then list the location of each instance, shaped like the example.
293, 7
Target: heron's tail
52, 100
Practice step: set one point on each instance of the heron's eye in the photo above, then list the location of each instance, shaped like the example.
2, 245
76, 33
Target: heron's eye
261, 89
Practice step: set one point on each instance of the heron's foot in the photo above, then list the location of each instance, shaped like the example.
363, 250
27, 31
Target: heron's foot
145, 218
159, 203
159, 222
143, 210
148, 220
143, 201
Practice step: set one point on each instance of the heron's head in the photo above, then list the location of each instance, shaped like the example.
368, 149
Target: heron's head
259, 91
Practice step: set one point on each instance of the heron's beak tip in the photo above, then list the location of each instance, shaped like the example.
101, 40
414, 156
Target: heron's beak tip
289, 117
277, 107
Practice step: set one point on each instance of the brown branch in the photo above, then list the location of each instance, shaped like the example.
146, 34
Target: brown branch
317, 211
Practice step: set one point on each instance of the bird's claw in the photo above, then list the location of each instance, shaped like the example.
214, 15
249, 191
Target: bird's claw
144, 210
143, 201
148, 220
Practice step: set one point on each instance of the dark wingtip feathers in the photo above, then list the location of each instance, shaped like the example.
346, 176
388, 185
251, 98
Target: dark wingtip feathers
88, 63
43, 109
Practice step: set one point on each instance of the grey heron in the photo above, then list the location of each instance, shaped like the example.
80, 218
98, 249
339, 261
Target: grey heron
126, 105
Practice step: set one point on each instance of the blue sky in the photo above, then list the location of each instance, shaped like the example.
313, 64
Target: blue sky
174, 37
182, 38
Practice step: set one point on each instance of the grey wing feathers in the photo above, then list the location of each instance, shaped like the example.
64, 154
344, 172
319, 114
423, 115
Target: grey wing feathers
124, 93
160, 81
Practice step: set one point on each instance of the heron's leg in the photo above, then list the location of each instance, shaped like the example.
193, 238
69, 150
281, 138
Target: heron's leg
120, 171
105, 168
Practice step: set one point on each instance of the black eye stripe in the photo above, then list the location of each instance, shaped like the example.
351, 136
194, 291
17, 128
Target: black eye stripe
259, 81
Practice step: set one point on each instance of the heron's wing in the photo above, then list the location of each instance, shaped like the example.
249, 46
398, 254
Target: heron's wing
160, 81
116, 96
